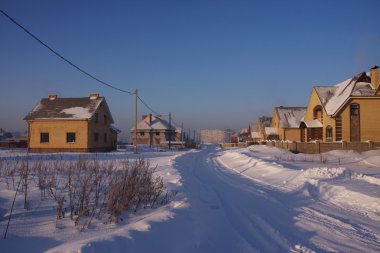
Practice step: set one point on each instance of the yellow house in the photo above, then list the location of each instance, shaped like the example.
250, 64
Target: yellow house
286, 122
71, 125
348, 111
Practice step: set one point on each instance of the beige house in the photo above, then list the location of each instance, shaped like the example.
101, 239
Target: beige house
286, 122
71, 125
154, 131
346, 111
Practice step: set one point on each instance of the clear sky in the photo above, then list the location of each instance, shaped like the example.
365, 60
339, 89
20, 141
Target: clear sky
213, 64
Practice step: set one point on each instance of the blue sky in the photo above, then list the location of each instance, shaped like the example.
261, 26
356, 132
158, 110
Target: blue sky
213, 64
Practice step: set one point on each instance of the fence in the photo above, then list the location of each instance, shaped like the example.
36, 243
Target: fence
322, 147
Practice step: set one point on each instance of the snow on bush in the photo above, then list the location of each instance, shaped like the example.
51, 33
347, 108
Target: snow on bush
84, 189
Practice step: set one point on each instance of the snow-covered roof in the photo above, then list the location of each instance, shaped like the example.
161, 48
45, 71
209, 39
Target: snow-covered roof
333, 97
313, 123
157, 123
290, 117
270, 130
67, 108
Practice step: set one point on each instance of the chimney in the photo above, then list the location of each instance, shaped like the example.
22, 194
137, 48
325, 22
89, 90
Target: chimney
94, 95
375, 82
150, 119
52, 96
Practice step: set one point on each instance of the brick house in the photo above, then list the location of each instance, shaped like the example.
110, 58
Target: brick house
71, 125
154, 130
346, 111
286, 122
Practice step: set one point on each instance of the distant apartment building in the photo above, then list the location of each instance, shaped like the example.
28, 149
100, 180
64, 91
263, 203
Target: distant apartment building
213, 136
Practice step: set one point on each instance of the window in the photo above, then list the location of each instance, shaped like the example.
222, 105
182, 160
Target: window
44, 137
96, 137
105, 120
105, 137
142, 133
338, 126
158, 133
318, 113
354, 110
329, 133
70, 137
96, 117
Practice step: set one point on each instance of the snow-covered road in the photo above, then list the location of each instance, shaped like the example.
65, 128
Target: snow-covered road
228, 212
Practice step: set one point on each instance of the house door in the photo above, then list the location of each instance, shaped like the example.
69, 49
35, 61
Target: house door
354, 122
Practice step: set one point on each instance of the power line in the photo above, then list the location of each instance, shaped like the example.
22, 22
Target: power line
74, 65
150, 108
61, 56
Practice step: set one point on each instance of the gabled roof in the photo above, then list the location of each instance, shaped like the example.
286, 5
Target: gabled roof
334, 97
67, 108
290, 117
158, 123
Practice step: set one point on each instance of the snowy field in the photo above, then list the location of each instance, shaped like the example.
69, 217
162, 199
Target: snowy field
256, 199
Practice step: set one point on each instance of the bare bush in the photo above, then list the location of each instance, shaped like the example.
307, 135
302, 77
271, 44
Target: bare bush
87, 189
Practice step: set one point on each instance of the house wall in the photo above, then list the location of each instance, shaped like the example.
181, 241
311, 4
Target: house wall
369, 119
276, 124
154, 137
57, 135
292, 134
101, 128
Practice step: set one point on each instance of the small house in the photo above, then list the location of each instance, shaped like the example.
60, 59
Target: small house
81, 124
155, 131
286, 122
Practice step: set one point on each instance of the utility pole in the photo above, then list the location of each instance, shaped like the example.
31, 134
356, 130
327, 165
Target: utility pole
136, 96
170, 130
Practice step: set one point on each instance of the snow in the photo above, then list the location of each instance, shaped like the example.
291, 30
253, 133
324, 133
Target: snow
290, 117
332, 97
256, 199
270, 130
313, 123
78, 112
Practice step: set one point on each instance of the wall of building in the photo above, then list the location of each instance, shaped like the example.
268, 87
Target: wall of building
292, 134
213, 136
152, 137
100, 128
57, 135
369, 119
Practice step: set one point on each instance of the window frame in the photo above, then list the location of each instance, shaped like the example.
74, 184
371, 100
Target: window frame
329, 132
69, 136
354, 108
44, 140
